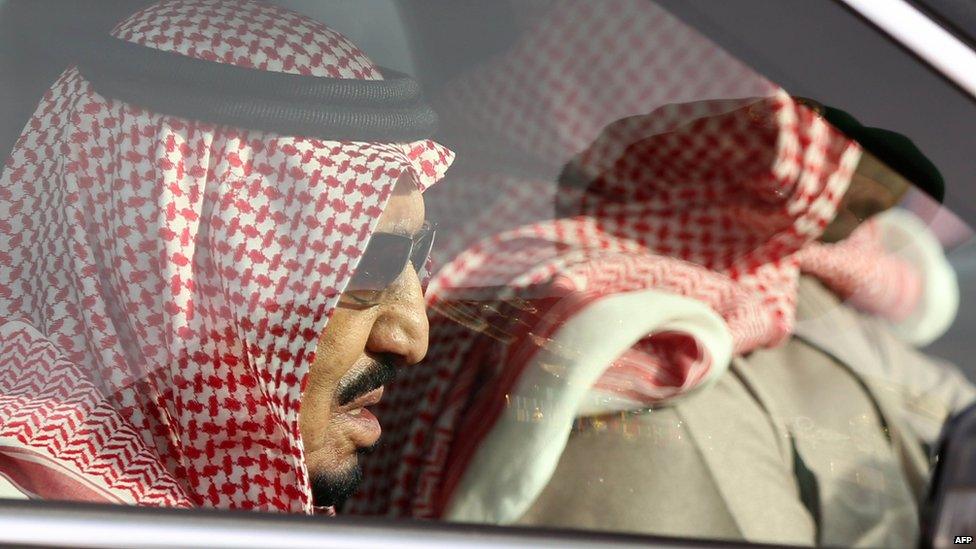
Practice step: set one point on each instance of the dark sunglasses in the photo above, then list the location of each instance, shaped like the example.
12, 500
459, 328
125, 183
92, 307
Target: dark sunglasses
385, 257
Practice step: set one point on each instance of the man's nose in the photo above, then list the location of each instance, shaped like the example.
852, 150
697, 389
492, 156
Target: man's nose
401, 329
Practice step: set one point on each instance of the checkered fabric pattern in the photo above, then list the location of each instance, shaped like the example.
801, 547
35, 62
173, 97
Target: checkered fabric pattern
862, 272
717, 194
164, 282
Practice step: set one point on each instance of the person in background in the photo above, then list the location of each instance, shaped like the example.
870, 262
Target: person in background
622, 321
819, 438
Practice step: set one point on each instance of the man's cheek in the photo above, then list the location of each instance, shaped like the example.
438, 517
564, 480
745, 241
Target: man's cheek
316, 410
335, 451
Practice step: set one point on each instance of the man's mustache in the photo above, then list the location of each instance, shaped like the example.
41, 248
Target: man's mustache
374, 376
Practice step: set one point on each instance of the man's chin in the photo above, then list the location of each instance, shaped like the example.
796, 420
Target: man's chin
332, 486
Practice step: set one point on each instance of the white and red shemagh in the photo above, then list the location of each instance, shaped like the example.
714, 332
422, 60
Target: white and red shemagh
709, 206
164, 282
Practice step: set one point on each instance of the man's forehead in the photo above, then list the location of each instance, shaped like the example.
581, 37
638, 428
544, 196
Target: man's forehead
876, 170
402, 227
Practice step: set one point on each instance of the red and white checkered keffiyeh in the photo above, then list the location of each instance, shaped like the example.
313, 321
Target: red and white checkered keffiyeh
164, 282
710, 200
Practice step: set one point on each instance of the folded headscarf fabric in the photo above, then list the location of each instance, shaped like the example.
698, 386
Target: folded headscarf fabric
892, 267
164, 282
862, 272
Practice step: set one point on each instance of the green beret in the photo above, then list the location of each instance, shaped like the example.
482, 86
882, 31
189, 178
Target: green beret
894, 149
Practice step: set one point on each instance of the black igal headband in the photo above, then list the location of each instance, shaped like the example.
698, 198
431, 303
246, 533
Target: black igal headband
336, 109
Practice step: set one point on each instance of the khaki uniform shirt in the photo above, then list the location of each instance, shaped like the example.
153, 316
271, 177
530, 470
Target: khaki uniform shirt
817, 441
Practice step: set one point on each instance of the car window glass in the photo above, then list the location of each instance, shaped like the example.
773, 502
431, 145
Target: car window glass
665, 295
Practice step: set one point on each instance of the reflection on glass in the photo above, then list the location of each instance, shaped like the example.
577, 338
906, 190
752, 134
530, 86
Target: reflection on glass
665, 295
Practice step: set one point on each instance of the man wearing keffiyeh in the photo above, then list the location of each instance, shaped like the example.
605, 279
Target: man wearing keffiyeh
636, 327
196, 313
